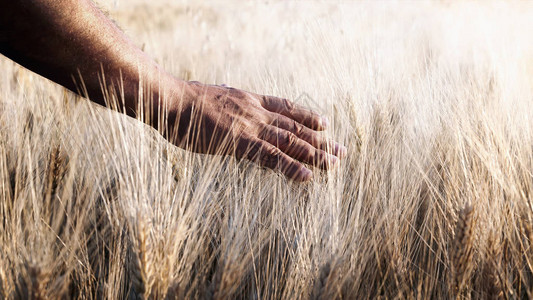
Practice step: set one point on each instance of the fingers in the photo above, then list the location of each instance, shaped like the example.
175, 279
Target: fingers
272, 157
297, 148
310, 136
301, 115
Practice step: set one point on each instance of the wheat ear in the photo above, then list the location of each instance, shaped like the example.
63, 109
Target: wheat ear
462, 248
140, 264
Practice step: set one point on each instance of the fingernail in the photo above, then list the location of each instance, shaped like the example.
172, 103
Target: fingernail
333, 160
340, 150
325, 122
306, 174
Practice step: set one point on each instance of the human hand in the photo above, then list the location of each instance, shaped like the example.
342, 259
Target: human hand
270, 131
207, 119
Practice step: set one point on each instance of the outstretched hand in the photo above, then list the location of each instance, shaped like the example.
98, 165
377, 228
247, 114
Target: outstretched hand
271, 131
68, 39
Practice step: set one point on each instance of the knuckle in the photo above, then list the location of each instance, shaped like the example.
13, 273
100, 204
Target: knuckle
287, 105
272, 151
289, 139
267, 101
271, 157
236, 93
296, 128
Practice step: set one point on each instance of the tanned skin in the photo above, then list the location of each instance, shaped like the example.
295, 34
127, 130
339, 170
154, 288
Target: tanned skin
72, 41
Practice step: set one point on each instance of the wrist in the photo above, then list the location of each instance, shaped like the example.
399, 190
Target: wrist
178, 105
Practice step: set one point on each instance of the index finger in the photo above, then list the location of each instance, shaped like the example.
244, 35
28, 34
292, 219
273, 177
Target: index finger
301, 115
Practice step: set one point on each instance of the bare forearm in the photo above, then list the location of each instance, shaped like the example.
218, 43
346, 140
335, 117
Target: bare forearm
64, 40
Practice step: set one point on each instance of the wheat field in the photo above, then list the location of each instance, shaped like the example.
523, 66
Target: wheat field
434, 199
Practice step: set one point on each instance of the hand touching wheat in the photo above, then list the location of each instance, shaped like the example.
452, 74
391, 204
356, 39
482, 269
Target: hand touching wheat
268, 130
62, 39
